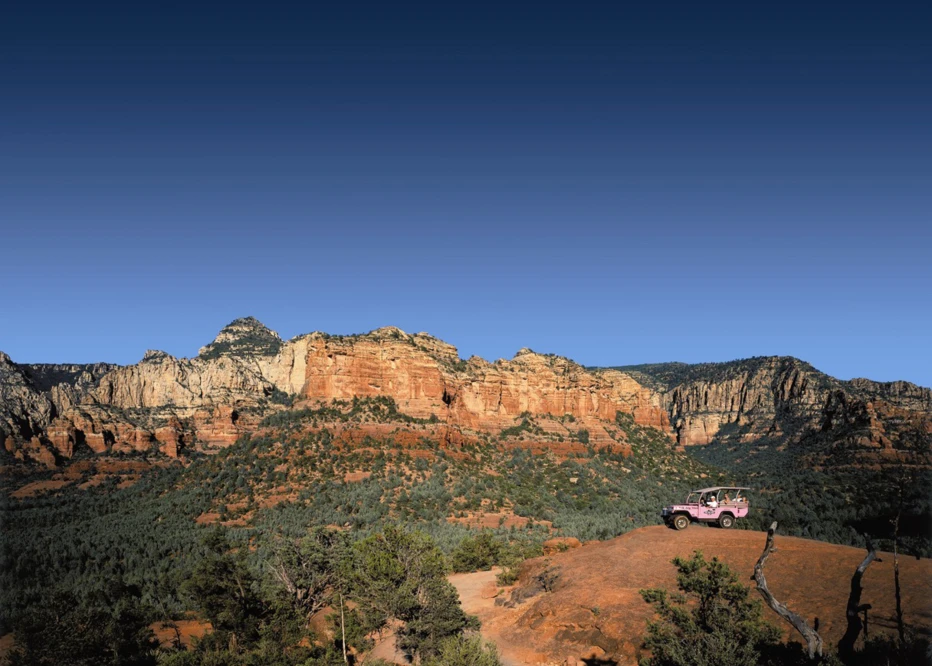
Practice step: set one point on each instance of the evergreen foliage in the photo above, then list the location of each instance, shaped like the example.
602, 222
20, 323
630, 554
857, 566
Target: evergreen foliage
395, 523
710, 622
110, 629
222, 588
464, 650
401, 575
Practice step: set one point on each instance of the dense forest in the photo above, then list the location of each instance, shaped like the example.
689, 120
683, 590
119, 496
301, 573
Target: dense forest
121, 555
148, 534
837, 503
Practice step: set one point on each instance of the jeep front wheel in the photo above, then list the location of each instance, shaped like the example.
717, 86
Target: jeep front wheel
726, 522
681, 522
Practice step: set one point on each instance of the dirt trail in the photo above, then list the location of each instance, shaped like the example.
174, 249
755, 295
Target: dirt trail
385, 648
477, 594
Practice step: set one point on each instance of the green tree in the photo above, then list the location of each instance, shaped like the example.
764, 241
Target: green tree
400, 575
308, 571
111, 630
711, 621
222, 587
477, 553
462, 650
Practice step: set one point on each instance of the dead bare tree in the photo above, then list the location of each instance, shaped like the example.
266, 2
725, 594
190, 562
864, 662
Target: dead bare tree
813, 640
343, 630
855, 607
900, 626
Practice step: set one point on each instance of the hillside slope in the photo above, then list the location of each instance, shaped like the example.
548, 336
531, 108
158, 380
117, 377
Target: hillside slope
595, 609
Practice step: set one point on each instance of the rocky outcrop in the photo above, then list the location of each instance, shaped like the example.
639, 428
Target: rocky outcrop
425, 377
81, 376
752, 400
25, 412
167, 404
243, 337
786, 400
897, 394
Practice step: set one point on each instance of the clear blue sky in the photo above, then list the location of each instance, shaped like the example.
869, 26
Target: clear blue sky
614, 182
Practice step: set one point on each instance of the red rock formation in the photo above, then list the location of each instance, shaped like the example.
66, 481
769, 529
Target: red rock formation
168, 404
425, 377
170, 438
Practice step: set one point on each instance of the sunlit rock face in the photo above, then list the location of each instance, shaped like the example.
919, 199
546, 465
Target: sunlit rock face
166, 405
425, 377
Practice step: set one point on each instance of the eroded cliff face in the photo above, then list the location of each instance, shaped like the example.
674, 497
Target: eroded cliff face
30, 397
785, 400
170, 404
426, 377
755, 399
24, 412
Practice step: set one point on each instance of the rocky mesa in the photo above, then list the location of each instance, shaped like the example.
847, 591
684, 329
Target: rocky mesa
168, 404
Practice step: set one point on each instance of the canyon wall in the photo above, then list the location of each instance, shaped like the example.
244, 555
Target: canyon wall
169, 404
787, 401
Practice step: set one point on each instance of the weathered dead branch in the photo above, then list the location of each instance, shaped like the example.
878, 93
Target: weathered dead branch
855, 607
813, 640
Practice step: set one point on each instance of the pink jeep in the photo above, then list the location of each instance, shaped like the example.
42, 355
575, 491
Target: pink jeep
721, 505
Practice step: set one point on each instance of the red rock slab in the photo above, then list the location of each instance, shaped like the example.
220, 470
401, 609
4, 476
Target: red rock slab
596, 602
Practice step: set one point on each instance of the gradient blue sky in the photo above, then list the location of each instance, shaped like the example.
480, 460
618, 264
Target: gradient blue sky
614, 182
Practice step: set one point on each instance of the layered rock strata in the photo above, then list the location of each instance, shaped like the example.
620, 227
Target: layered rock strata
787, 400
167, 404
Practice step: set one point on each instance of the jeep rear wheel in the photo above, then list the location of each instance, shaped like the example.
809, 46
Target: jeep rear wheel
726, 522
681, 522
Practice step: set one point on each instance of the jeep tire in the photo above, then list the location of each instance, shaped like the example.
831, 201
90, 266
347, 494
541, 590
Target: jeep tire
726, 521
680, 522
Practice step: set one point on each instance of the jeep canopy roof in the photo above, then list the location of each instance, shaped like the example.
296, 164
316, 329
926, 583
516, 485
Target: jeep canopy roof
712, 490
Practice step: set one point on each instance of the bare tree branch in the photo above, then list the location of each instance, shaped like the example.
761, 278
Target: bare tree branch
900, 627
855, 607
813, 640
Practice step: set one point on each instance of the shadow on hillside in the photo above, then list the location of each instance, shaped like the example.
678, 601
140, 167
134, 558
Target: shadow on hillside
595, 661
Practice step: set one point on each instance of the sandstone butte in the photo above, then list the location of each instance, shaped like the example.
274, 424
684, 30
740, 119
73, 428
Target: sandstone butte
206, 402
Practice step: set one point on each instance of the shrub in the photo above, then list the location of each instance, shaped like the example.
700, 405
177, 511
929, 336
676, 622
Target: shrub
465, 651
711, 622
112, 629
507, 576
477, 553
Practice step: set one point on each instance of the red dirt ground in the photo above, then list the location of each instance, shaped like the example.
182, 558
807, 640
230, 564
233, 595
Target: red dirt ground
38, 487
596, 610
493, 519
189, 629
